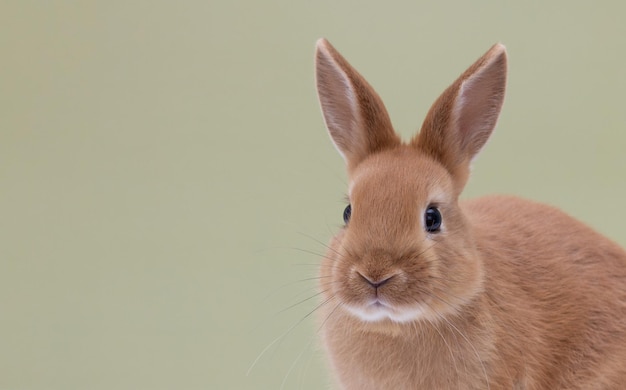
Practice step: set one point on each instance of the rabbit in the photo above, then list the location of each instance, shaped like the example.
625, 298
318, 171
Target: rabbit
424, 291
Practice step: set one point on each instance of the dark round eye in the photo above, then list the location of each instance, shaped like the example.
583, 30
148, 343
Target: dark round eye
432, 219
346, 213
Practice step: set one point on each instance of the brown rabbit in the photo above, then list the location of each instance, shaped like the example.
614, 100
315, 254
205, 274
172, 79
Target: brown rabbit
422, 291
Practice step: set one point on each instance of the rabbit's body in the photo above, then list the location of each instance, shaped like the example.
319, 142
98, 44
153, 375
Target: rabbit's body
535, 325
423, 291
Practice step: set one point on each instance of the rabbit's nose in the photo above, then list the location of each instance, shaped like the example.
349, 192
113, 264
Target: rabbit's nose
377, 282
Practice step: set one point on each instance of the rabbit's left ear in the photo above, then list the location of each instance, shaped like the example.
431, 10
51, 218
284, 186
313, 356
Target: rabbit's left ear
355, 116
461, 120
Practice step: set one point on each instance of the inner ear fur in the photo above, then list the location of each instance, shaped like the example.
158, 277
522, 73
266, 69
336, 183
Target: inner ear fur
354, 114
461, 120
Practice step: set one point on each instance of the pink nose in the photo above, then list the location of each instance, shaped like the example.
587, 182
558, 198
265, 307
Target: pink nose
375, 283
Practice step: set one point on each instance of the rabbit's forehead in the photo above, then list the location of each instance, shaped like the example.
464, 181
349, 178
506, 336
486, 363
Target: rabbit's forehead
393, 177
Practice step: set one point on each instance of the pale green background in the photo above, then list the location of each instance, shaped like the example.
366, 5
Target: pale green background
164, 168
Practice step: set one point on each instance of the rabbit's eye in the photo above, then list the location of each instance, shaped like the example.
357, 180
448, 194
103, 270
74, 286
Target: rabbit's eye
346, 213
432, 219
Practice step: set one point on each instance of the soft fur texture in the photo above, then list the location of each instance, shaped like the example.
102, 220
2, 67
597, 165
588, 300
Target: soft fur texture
509, 294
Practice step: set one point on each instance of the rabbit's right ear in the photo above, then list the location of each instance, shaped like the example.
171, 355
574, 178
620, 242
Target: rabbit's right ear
355, 116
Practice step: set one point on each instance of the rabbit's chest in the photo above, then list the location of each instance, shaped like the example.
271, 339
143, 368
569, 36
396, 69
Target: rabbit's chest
375, 362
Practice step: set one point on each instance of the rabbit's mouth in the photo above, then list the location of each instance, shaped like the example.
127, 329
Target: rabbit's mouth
378, 309
377, 303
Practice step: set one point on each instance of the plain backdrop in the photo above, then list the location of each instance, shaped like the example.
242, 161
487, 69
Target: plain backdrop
167, 185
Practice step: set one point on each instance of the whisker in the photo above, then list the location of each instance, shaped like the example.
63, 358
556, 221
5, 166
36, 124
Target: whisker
328, 316
434, 325
426, 250
480, 360
305, 348
282, 384
302, 301
286, 333
262, 353
274, 291
315, 288
303, 373
322, 284
299, 355
330, 248
323, 256
441, 287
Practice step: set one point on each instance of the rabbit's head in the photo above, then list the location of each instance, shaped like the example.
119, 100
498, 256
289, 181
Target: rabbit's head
406, 251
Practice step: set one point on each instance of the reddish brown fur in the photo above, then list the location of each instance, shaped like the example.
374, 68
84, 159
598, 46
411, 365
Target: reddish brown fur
514, 294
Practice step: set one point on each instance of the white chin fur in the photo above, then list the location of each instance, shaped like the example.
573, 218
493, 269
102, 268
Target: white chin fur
373, 313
